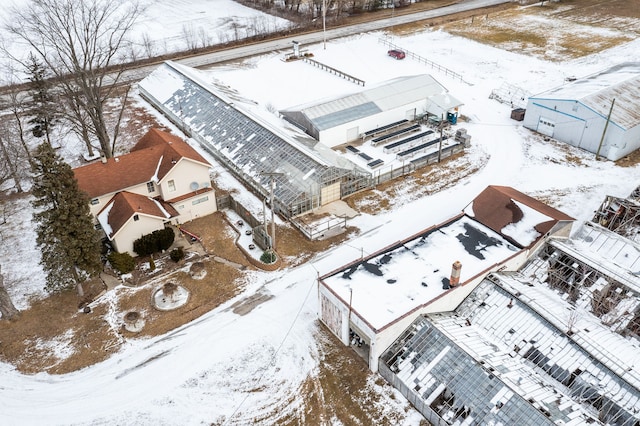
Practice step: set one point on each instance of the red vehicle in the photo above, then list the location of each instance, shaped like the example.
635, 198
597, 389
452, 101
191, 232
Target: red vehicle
395, 53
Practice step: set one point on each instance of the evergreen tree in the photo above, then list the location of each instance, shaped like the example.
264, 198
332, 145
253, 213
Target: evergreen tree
65, 233
45, 108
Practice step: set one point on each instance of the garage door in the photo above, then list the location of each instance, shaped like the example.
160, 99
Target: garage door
546, 126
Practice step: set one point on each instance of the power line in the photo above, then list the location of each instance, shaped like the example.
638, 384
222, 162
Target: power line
273, 357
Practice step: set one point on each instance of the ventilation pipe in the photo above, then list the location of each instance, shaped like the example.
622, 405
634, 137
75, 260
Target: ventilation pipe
296, 49
455, 273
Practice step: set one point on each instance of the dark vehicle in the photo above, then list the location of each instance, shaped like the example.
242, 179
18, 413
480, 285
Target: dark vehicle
395, 53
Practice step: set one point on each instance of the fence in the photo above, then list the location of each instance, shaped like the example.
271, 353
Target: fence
334, 71
319, 229
425, 61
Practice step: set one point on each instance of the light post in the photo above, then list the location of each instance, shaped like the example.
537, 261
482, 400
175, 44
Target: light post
272, 176
324, 24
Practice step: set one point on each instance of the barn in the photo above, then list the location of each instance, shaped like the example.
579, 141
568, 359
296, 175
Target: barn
337, 121
599, 113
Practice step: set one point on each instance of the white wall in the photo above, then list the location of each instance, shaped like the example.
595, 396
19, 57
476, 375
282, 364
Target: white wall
137, 189
629, 142
202, 204
330, 193
132, 230
580, 126
183, 174
338, 135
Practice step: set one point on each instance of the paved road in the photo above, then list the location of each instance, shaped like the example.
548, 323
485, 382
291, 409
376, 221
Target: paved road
207, 59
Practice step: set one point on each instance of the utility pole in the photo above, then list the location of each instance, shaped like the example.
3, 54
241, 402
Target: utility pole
441, 127
324, 24
605, 129
272, 176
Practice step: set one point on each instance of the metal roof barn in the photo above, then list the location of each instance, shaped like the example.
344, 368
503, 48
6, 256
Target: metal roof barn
599, 113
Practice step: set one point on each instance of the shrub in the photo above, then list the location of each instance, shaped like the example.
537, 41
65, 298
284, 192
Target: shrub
144, 245
177, 254
164, 238
122, 262
154, 242
268, 257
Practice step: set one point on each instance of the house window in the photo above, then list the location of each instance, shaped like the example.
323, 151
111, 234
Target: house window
95, 201
97, 226
151, 187
136, 217
172, 185
200, 200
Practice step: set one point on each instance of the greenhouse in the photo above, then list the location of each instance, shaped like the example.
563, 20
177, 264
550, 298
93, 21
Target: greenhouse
263, 157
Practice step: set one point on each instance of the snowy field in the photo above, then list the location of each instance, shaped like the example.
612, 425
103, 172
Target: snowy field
225, 368
173, 26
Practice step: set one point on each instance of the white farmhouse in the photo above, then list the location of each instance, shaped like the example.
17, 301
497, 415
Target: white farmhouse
161, 181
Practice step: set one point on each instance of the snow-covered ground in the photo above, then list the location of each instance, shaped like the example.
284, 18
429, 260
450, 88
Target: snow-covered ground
232, 369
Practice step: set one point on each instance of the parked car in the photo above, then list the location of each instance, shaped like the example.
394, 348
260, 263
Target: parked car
395, 53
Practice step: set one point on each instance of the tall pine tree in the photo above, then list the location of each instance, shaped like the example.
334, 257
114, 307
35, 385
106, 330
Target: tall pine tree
65, 233
46, 109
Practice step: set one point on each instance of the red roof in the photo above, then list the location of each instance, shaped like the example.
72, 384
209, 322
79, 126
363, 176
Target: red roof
155, 154
495, 208
125, 204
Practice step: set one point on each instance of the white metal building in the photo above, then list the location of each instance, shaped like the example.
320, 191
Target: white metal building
337, 121
599, 113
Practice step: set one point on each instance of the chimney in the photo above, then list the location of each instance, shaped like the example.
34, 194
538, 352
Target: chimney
455, 273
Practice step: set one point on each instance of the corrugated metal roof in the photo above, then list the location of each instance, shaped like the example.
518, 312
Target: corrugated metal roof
388, 95
597, 92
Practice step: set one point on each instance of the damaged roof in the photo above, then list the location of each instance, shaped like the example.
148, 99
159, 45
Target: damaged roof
517, 216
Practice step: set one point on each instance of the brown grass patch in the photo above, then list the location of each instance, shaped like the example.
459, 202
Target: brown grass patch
32, 341
218, 237
221, 283
420, 183
577, 28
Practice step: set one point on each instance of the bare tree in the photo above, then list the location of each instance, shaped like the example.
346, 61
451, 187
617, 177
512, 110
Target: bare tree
11, 155
83, 43
7, 308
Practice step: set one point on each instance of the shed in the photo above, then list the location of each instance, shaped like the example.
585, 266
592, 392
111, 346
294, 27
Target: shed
599, 113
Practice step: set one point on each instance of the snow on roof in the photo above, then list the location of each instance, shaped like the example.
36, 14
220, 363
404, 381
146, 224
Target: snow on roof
453, 367
594, 339
597, 91
511, 333
391, 283
103, 219
382, 97
513, 214
524, 231
605, 250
